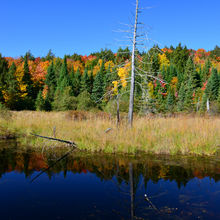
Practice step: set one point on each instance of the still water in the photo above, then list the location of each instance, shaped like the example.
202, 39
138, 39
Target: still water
96, 186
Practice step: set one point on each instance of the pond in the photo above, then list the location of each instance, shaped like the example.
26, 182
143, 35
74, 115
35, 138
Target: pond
97, 186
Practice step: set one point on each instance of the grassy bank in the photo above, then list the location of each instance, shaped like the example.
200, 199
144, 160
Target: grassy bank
179, 135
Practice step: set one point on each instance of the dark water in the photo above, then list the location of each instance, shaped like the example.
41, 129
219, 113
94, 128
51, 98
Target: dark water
86, 186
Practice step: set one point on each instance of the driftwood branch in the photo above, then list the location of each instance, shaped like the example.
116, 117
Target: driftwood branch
56, 139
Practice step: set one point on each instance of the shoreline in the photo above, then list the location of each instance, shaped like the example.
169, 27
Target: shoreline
182, 135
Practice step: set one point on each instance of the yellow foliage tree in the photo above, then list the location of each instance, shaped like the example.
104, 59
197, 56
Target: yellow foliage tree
163, 61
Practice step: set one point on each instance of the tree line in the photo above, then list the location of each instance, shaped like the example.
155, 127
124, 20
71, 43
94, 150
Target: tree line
167, 80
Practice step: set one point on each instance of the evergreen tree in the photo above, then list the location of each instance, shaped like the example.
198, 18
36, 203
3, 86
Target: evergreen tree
57, 67
77, 83
213, 85
97, 91
206, 70
39, 103
64, 79
51, 83
72, 80
28, 101
12, 88
64, 101
85, 82
179, 57
203, 107
188, 101
155, 66
91, 82
3, 74
170, 101
84, 101
181, 98
190, 73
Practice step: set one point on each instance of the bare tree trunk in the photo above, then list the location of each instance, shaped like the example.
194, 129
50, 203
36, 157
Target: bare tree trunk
118, 113
131, 102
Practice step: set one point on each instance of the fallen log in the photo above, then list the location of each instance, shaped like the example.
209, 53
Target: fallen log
55, 139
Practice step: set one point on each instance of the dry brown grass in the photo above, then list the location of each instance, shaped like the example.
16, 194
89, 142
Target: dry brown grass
173, 135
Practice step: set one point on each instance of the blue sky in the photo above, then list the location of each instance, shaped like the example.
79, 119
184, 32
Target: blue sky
85, 26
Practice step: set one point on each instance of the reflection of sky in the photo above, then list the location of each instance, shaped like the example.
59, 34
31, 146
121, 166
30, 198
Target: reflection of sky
83, 196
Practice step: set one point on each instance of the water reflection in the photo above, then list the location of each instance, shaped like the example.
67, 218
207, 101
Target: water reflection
112, 186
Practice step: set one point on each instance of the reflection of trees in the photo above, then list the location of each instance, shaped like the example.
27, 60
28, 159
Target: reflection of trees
107, 167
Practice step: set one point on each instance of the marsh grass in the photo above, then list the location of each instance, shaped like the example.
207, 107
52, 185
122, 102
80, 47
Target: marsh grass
157, 135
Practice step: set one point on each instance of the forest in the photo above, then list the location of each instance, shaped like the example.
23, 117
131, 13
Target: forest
170, 79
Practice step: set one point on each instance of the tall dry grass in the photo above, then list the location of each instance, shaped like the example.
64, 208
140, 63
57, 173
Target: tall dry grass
180, 135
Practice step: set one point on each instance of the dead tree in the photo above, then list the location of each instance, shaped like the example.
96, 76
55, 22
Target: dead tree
131, 101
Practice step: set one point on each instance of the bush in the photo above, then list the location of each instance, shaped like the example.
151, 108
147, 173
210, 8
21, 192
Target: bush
64, 101
84, 101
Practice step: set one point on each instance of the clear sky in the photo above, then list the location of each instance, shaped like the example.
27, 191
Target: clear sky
85, 26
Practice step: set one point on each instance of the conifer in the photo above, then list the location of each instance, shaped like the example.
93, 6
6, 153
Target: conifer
97, 91
213, 85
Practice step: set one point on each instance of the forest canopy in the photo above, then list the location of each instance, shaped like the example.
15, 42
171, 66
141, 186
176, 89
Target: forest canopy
173, 80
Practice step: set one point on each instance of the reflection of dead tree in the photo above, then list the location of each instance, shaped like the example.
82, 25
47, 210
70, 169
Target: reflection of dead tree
131, 180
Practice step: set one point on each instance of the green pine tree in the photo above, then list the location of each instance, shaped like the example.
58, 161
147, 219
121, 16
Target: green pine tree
85, 82
40, 103
64, 100
206, 71
188, 101
203, 107
12, 88
91, 77
97, 91
84, 101
170, 103
29, 99
51, 83
213, 85
181, 98
77, 83
3, 74
64, 79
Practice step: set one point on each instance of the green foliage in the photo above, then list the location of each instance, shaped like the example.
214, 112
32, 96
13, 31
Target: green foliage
28, 101
12, 88
206, 70
98, 91
213, 85
64, 101
216, 52
188, 101
85, 82
84, 101
3, 74
179, 57
170, 101
63, 90
40, 102
77, 83
203, 107
64, 79
181, 98
51, 83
